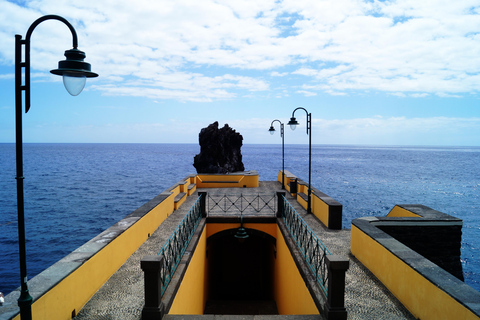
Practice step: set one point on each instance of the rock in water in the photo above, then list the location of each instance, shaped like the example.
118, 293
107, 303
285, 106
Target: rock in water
219, 150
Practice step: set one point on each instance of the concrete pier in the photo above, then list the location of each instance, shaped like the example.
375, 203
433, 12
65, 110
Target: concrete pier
122, 296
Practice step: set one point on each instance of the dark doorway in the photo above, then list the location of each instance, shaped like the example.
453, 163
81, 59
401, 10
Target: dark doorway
241, 273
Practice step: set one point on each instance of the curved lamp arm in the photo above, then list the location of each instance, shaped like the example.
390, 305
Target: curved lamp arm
52, 17
293, 123
72, 67
272, 129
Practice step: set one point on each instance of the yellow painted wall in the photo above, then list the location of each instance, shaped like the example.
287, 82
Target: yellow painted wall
175, 190
302, 189
290, 291
279, 177
287, 185
302, 202
320, 209
180, 202
191, 297
191, 180
182, 186
286, 179
421, 297
74, 291
251, 181
248, 180
192, 191
401, 212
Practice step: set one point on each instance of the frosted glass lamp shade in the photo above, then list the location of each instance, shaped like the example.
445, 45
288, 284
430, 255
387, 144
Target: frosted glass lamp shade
74, 71
293, 123
74, 83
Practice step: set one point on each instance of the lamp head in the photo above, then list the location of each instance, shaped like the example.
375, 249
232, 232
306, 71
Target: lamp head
271, 130
293, 123
241, 234
74, 71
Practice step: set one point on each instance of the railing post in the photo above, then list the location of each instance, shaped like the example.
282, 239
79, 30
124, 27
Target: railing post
154, 308
203, 202
337, 266
294, 186
280, 206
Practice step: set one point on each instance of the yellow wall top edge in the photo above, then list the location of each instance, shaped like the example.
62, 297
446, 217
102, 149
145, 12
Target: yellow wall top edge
398, 212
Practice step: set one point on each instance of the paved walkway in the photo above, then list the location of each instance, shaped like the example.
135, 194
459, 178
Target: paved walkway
122, 296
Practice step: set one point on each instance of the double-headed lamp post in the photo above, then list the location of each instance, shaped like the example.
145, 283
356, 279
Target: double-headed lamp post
282, 133
74, 71
293, 124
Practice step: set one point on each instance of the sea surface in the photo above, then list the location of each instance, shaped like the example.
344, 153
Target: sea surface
75, 191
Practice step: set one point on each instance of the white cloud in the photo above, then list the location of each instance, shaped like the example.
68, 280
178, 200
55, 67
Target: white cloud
184, 87
170, 49
307, 93
278, 74
7, 76
396, 130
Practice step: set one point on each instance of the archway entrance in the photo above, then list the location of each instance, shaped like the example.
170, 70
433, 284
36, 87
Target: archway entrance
240, 273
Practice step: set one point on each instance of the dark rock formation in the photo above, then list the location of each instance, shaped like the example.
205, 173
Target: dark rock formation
219, 150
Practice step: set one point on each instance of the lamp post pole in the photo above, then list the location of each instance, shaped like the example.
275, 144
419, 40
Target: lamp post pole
293, 123
282, 133
74, 70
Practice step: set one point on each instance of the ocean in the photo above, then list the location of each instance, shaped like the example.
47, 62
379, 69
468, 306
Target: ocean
75, 191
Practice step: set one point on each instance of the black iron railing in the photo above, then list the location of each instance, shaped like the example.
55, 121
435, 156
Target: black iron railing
259, 203
176, 245
311, 247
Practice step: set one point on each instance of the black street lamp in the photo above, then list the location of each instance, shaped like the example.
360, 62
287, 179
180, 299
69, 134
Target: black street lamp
293, 123
74, 71
282, 133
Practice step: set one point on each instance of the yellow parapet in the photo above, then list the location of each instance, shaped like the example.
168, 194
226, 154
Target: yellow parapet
321, 210
247, 179
398, 212
192, 186
328, 210
415, 285
288, 178
102, 256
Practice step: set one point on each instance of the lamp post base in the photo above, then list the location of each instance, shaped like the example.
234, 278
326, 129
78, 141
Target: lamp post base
25, 304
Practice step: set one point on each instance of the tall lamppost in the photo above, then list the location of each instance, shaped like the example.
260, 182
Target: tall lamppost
293, 124
282, 133
74, 71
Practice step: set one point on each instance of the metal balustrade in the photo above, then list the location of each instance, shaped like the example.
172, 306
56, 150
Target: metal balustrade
311, 247
259, 203
176, 245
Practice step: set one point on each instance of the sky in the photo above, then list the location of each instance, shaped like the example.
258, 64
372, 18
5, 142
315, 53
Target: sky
370, 72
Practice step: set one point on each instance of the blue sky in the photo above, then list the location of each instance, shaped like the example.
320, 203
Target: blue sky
370, 72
